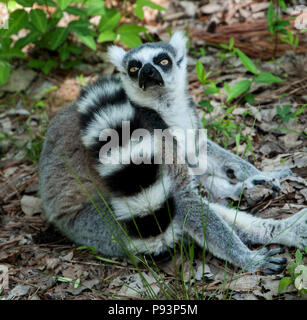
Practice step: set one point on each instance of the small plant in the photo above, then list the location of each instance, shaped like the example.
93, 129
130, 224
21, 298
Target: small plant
45, 33
226, 126
240, 87
298, 274
277, 26
284, 112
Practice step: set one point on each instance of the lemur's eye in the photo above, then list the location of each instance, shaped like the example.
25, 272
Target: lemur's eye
164, 62
133, 69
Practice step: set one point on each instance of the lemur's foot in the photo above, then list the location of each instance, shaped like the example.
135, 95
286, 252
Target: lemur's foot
264, 261
268, 179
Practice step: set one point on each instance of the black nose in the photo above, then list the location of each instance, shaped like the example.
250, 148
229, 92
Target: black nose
148, 70
149, 76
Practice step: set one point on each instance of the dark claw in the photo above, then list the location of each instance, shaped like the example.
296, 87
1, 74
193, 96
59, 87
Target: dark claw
276, 188
273, 252
274, 264
268, 271
257, 182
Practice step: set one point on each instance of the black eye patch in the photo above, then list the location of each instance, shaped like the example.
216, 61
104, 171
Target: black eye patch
133, 68
160, 58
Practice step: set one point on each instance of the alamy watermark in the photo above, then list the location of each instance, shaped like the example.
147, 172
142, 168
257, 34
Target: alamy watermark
168, 146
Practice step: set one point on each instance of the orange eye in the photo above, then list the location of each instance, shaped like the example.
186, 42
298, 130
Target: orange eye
164, 62
133, 69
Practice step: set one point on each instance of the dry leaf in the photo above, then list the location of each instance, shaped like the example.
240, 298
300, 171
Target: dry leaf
31, 205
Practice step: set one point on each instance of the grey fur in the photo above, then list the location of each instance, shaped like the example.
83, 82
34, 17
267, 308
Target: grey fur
75, 198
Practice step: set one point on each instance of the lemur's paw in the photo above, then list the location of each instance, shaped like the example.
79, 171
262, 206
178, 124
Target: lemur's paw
265, 180
296, 234
264, 261
268, 179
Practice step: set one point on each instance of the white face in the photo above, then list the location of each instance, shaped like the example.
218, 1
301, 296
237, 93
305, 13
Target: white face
152, 69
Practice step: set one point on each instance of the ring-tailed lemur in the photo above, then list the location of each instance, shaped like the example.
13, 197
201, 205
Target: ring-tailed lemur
146, 208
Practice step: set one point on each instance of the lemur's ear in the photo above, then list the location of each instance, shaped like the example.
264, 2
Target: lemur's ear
116, 55
178, 41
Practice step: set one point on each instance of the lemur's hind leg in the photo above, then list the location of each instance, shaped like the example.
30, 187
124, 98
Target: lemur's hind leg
201, 222
94, 225
291, 231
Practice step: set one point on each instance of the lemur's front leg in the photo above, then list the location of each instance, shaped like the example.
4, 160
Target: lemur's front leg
227, 174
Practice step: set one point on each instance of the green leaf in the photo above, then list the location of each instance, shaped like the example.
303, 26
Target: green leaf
87, 39
139, 12
249, 97
267, 77
64, 52
5, 44
54, 19
75, 49
39, 20
270, 16
284, 110
211, 90
109, 21
76, 11
77, 283
238, 88
57, 37
45, 66
106, 36
91, 249
48, 66
25, 3
247, 62
283, 284
149, 4
224, 46
226, 87
200, 70
63, 4
95, 7
5, 70
282, 4
130, 40
131, 28
36, 63
231, 43
207, 105
11, 53
129, 34
81, 26
63, 279
107, 260
298, 257
18, 20
30, 37
280, 24
49, 3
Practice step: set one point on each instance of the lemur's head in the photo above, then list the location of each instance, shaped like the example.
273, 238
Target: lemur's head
152, 68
